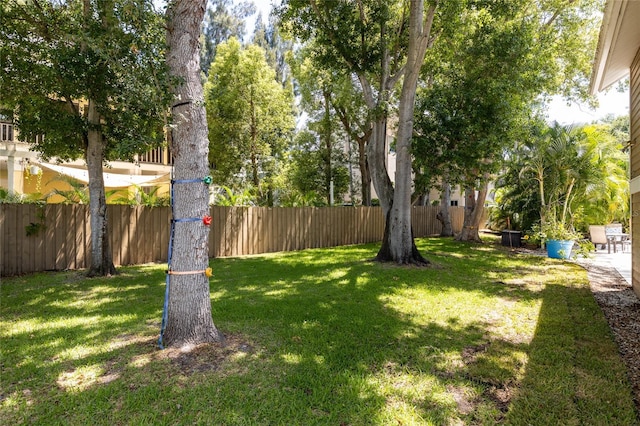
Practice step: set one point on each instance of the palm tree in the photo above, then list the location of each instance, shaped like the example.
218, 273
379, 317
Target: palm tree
77, 194
607, 199
571, 176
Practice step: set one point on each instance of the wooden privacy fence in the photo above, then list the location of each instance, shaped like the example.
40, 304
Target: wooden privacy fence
60, 235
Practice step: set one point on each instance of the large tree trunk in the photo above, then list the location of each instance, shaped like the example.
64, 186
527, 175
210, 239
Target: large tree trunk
401, 247
376, 155
101, 256
188, 313
444, 216
473, 211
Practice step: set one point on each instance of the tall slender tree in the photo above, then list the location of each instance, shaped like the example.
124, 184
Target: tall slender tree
223, 19
188, 311
250, 116
276, 48
315, 83
318, 98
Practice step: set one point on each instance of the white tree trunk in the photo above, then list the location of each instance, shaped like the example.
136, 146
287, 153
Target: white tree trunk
101, 256
401, 246
188, 318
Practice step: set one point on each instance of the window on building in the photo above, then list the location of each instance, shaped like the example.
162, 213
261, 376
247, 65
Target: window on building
454, 203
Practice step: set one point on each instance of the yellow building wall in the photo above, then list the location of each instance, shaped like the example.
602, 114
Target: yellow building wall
45, 184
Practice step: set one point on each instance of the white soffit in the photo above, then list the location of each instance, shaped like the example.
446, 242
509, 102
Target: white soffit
618, 43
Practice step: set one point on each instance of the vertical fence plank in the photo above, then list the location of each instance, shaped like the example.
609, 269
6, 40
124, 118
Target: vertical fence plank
235, 232
312, 231
268, 230
10, 241
225, 231
249, 235
136, 232
331, 213
4, 251
259, 230
215, 233
60, 237
287, 223
132, 245
50, 239
280, 235
301, 229
242, 230
78, 236
29, 242
115, 238
157, 231
87, 236
22, 246
36, 250
275, 230
245, 230
255, 231
230, 231
4, 247
165, 232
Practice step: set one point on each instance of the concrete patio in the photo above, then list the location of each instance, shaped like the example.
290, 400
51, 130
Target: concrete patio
620, 261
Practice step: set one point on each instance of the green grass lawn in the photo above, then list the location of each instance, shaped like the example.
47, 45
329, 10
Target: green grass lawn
321, 337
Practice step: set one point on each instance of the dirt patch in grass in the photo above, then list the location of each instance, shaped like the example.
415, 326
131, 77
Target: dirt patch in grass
207, 357
465, 403
621, 307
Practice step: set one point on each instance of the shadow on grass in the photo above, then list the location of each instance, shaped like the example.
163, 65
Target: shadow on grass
316, 337
574, 370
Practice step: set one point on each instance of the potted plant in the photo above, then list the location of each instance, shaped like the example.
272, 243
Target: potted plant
560, 239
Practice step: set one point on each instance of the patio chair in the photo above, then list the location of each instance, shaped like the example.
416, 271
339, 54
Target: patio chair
598, 235
615, 235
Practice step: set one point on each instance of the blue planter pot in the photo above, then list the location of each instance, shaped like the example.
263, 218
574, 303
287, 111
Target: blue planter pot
559, 249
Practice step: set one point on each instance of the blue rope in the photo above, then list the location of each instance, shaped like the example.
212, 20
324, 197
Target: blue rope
187, 219
186, 180
165, 308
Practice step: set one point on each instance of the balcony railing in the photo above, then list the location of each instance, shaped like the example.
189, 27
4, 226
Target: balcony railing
161, 155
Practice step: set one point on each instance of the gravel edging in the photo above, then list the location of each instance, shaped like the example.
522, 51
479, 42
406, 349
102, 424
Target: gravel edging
621, 308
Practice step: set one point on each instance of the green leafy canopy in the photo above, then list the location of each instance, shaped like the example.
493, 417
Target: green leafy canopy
58, 55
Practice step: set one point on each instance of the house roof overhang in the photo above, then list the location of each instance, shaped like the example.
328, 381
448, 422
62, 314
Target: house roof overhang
618, 43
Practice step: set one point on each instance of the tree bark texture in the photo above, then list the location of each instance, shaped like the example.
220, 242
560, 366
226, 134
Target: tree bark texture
473, 211
189, 318
101, 256
376, 155
444, 216
365, 174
